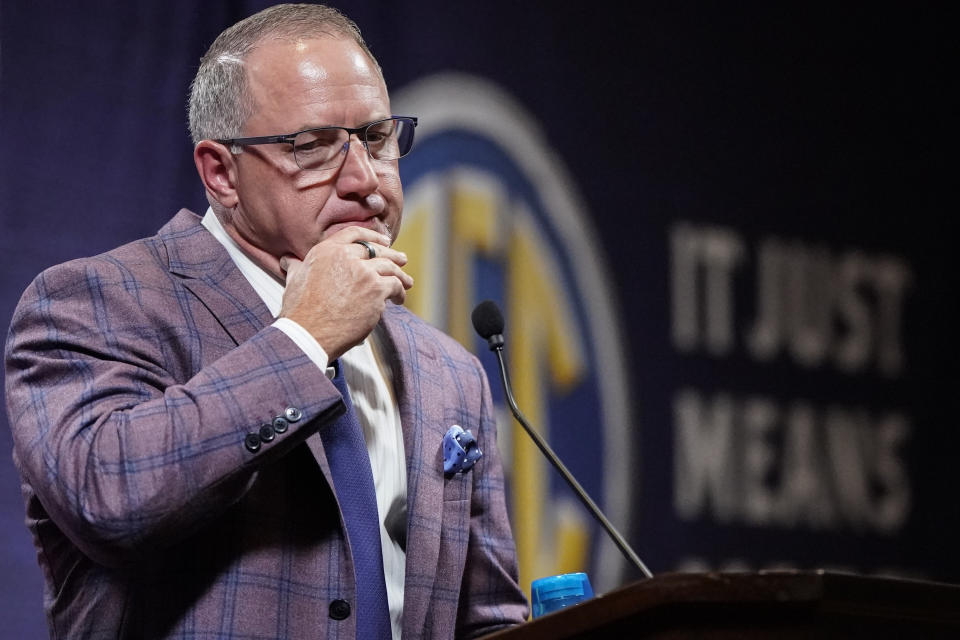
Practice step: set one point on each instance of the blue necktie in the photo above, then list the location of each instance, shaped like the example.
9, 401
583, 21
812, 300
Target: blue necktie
349, 461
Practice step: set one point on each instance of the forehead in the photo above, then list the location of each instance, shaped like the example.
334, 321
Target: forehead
314, 82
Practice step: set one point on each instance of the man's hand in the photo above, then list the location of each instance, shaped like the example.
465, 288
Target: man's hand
338, 292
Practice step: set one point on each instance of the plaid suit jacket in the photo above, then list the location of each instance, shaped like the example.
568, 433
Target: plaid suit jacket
133, 379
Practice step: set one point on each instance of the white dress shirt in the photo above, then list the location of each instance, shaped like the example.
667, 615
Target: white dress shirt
371, 390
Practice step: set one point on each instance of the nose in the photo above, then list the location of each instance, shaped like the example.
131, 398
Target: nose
357, 175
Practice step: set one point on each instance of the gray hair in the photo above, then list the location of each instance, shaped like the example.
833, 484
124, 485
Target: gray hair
220, 97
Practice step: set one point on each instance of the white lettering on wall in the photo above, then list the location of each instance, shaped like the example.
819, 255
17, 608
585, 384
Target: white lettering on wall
703, 261
815, 305
758, 462
820, 307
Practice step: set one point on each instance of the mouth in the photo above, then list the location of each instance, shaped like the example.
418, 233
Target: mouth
371, 215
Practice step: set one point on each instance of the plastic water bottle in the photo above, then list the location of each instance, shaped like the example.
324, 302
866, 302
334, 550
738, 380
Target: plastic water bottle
556, 592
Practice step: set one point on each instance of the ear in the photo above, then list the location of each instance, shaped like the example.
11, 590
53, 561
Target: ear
218, 171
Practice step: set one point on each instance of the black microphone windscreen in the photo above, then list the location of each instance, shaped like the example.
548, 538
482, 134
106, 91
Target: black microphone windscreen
487, 319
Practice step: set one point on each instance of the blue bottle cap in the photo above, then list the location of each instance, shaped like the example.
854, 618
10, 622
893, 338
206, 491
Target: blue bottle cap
556, 592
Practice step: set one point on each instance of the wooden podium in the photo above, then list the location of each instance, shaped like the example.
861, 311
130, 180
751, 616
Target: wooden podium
757, 605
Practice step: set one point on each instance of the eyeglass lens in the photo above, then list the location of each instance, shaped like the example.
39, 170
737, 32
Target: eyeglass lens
321, 148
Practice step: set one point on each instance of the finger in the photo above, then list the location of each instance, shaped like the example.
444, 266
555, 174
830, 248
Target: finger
354, 233
399, 258
387, 269
391, 254
369, 248
399, 298
398, 293
289, 262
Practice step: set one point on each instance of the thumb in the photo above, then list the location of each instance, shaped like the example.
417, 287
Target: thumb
289, 263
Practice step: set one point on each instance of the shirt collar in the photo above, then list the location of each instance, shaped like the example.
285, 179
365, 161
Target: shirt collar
266, 286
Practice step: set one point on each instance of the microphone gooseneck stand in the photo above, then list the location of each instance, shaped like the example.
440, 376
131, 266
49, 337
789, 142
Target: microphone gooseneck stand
488, 322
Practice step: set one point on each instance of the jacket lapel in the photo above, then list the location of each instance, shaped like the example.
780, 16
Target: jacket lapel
209, 273
417, 374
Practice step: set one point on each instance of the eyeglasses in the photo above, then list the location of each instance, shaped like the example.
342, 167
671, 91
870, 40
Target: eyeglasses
325, 148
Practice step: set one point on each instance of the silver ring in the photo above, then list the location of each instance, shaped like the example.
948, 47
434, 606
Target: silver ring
371, 252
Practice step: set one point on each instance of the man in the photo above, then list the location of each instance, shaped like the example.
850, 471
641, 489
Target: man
178, 405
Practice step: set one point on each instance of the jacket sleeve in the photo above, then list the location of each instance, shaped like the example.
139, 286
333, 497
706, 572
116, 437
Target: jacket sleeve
491, 597
124, 455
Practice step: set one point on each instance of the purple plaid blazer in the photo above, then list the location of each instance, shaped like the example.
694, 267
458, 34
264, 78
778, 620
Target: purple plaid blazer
133, 379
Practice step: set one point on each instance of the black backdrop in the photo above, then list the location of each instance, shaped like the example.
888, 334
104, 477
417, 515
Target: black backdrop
828, 127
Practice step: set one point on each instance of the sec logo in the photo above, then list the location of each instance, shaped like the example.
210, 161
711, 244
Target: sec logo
491, 213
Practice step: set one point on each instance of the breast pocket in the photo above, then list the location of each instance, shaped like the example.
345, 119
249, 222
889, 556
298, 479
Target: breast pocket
457, 486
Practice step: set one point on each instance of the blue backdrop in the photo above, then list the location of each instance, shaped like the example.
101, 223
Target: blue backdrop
762, 153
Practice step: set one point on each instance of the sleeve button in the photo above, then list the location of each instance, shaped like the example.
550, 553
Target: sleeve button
267, 433
292, 414
252, 442
339, 609
280, 424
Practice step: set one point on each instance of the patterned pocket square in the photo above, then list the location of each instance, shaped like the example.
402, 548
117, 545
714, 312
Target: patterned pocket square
460, 450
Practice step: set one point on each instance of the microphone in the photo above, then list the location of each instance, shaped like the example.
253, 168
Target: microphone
488, 323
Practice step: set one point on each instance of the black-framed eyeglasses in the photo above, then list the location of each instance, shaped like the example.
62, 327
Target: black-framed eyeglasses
324, 148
